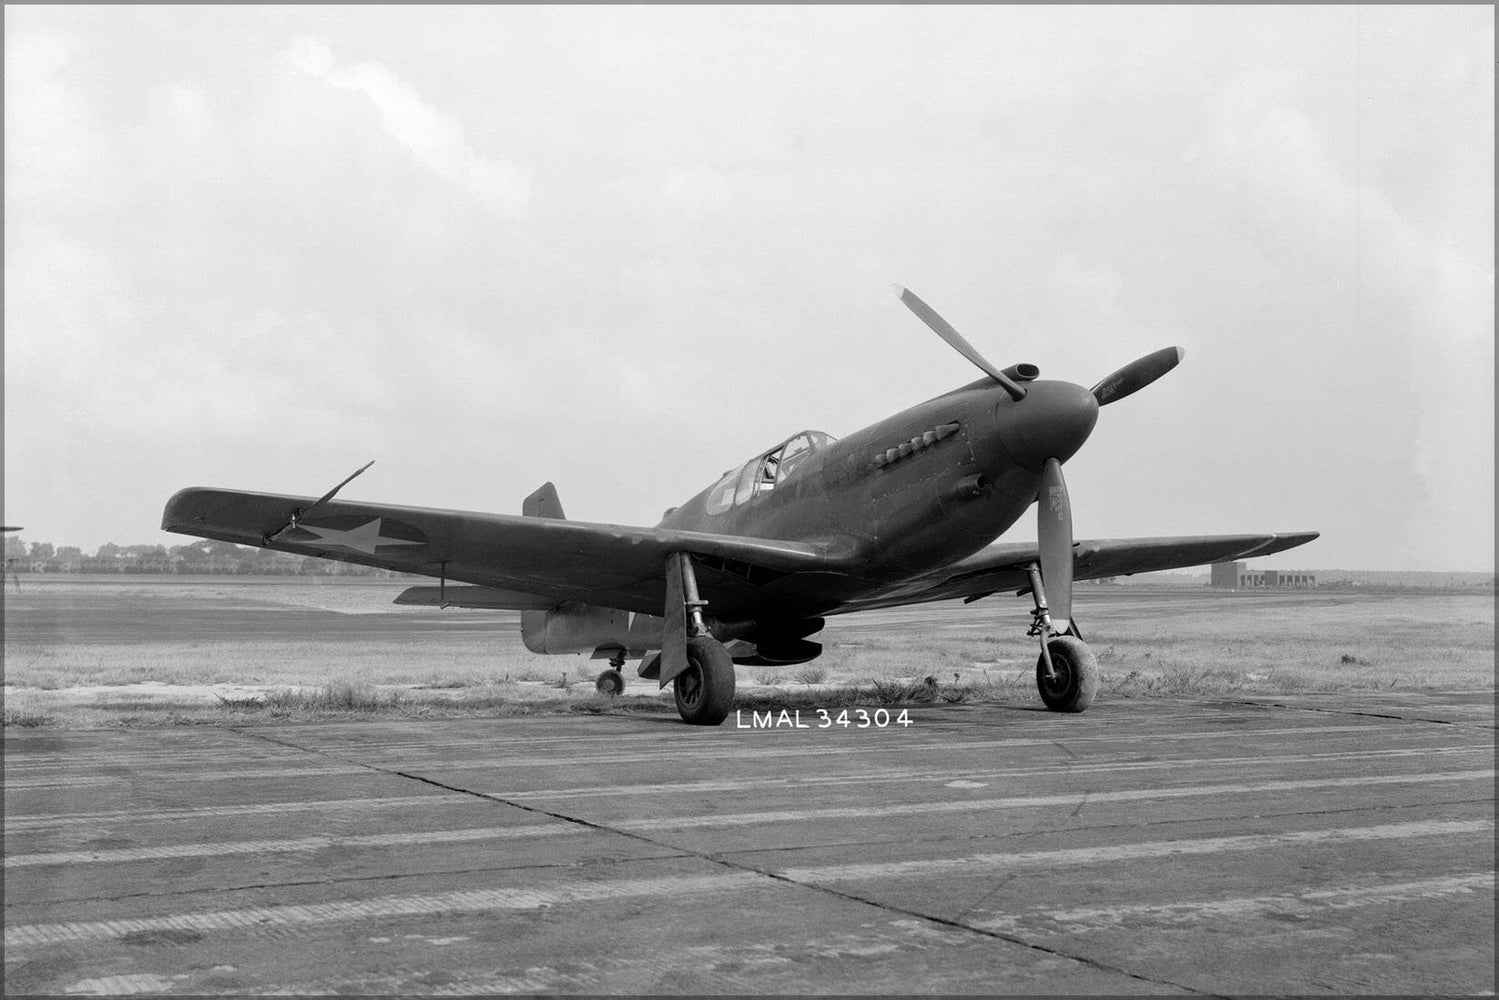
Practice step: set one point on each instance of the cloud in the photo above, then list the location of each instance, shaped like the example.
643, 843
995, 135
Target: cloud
232, 257
432, 139
1406, 326
54, 145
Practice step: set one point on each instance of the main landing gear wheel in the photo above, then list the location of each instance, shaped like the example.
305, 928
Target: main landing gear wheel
1074, 679
610, 682
705, 690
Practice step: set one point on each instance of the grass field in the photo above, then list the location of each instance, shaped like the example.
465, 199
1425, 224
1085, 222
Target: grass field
93, 651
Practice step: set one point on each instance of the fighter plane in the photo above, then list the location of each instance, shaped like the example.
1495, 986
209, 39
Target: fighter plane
903, 512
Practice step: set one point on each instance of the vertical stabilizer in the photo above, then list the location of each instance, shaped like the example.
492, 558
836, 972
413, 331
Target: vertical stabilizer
543, 503
533, 624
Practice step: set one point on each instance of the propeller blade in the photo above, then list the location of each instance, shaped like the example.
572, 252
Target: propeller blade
955, 340
1137, 375
1054, 538
297, 515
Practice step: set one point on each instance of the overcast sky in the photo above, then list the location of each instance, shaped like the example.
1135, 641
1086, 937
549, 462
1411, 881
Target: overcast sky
625, 248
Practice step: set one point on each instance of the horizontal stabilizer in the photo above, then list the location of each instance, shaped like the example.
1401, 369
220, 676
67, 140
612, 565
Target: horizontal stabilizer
475, 597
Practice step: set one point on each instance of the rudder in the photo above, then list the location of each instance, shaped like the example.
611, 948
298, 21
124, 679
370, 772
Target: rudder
543, 503
533, 624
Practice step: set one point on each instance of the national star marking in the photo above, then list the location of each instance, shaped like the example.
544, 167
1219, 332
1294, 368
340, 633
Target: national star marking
365, 538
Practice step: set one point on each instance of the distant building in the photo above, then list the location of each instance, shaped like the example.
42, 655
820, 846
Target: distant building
1225, 575
1234, 576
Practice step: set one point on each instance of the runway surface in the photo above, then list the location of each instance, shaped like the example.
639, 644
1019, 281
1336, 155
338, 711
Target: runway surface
1276, 845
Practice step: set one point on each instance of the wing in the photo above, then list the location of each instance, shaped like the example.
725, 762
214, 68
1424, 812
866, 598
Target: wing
1002, 567
521, 558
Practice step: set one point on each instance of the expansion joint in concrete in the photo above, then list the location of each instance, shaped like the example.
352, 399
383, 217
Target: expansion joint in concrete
723, 862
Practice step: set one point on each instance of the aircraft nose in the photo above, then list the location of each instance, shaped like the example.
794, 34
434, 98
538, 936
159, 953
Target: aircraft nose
1052, 421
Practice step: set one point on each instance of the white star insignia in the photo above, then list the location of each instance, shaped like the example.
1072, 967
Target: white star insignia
365, 538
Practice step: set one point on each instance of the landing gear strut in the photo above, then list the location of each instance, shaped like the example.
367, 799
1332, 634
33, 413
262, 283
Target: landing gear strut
699, 666
1066, 670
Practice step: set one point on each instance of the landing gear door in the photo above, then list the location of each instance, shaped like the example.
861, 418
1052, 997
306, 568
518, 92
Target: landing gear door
674, 623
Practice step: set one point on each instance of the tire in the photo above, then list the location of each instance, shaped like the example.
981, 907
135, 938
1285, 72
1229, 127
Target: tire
610, 682
1076, 682
705, 690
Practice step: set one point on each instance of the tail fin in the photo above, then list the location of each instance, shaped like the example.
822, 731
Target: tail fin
543, 503
533, 624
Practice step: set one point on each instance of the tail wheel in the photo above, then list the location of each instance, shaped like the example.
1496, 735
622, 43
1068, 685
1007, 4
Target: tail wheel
611, 682
1073, 682
705, 690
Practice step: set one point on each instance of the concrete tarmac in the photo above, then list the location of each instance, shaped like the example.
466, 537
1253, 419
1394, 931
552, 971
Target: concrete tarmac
1306, 844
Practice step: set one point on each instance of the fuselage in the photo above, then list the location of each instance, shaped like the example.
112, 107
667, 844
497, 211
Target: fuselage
913, 492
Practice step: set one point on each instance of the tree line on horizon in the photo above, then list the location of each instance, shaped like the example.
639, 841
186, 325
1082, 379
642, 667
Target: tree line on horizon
206, 556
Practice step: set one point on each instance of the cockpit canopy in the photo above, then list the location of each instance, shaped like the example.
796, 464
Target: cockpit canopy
765, 472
